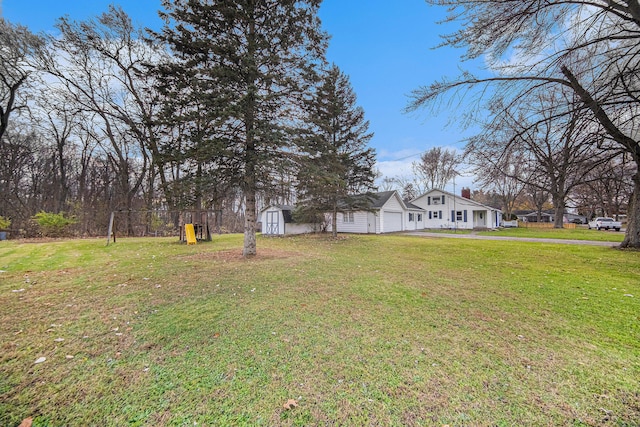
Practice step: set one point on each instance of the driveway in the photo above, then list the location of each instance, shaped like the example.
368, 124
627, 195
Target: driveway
520, 239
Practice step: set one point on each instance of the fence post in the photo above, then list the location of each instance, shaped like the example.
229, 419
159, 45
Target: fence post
110, 227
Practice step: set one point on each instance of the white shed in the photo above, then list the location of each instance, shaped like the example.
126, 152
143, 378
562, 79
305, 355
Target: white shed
278, 220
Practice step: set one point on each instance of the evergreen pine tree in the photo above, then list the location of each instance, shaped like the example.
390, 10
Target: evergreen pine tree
336, 172
249, 62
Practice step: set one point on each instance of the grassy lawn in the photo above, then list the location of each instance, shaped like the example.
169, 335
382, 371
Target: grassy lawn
557, 233
364, 330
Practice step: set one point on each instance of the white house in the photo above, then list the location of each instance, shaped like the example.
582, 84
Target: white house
446, 210
387, 213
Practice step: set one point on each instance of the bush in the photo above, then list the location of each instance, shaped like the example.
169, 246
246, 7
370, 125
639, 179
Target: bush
4, 223
53, 225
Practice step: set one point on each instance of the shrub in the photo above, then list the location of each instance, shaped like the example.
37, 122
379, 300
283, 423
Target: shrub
53, 225
4, 223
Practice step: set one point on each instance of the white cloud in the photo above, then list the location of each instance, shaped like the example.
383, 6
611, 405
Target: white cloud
413, 153
395, 168
398, 164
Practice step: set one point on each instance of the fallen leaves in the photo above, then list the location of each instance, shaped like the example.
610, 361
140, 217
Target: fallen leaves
290, 404
27, 422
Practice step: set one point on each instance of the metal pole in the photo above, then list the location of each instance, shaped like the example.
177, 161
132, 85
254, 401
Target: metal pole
455, 213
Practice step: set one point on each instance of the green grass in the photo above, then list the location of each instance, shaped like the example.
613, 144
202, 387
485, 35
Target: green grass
580, 233
364, 330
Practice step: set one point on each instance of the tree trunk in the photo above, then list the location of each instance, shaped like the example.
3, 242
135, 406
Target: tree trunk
250, 223
335, 223
558, 207
632, 236
558, 220
251, 155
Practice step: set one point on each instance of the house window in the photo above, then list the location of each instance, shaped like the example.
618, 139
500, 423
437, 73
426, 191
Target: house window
347, 217
419, 217
436, 200
435, 215
458, 215
410, 217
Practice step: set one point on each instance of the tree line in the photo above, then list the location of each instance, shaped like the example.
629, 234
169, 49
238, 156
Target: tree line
230, 105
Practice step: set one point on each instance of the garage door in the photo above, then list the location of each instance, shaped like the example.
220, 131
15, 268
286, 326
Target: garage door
392, 221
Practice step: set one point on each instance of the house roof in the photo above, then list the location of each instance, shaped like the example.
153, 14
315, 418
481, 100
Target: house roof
546, 212
369, 200
412, 206
373, 201
446, 193
381, 198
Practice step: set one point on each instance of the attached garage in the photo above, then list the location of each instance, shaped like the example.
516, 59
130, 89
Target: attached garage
392, 221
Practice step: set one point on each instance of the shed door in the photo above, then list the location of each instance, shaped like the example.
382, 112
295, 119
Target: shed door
272, 223
392, 221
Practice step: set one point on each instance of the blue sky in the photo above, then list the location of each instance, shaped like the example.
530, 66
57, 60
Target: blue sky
387, 51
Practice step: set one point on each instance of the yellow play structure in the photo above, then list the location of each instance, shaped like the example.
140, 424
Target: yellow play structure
190, 233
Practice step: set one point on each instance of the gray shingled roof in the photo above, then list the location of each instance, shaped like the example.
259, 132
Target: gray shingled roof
381, 198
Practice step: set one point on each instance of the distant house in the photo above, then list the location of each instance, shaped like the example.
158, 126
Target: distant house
532, 216
549, 216
446, 210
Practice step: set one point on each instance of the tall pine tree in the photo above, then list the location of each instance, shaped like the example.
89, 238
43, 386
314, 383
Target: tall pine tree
336, 172
256, 58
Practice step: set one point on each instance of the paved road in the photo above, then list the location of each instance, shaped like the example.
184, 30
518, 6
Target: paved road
521, 239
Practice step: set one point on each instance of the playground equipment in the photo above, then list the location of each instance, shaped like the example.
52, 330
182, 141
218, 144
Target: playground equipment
163, 223
190, 234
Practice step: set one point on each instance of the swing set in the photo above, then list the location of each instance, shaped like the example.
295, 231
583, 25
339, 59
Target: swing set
189, 225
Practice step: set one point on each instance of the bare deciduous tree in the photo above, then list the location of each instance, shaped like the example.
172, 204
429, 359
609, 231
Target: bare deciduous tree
18, 50
590, 46
437, 167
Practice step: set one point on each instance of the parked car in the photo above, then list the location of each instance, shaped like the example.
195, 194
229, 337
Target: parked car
602, 222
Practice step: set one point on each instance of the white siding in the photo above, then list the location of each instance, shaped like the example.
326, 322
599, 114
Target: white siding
393, 204
360, 223
294, 228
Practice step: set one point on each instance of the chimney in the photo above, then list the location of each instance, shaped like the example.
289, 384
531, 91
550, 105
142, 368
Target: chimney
466, 193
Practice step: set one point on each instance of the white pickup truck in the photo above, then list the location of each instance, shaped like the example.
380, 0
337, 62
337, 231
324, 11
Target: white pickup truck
602, 222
